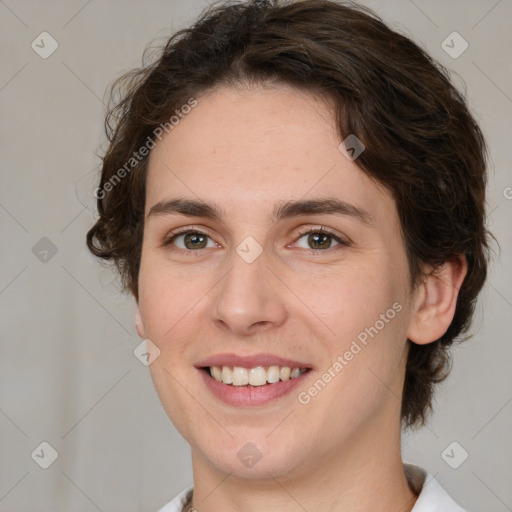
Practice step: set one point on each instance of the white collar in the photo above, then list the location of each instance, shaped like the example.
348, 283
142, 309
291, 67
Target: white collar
432, 497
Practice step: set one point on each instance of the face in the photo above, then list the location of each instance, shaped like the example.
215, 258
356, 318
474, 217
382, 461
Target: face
300, 279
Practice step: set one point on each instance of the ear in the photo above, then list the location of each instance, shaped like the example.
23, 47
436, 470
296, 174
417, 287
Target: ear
436, 301
139, 325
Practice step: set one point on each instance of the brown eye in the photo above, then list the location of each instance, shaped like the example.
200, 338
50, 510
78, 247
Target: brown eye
194, 241
188, 240
321, 240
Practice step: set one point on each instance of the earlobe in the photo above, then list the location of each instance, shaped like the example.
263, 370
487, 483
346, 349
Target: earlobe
139, 325
436, 301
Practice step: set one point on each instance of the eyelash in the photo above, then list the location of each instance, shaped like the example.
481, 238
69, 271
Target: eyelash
175, 234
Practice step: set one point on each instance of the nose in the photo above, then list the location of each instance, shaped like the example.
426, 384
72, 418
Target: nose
249, 298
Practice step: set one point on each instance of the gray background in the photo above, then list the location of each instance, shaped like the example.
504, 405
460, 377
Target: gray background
68, 375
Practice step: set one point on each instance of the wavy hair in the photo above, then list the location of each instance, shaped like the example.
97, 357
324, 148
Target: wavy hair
422, 143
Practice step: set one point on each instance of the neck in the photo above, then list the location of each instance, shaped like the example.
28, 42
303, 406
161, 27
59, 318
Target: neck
363, 474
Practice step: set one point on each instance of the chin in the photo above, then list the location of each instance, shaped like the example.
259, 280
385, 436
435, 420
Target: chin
255, 456
255, 464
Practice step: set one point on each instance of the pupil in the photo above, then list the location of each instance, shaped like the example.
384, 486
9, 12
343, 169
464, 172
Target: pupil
314, 238
193, 237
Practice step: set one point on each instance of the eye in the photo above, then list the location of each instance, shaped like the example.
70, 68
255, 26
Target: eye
189, 240
316, 239
320, 239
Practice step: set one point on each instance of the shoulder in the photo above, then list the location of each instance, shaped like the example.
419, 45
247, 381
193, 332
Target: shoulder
431, 496
178, 502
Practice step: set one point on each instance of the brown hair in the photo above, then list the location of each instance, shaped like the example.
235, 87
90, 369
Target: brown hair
421, 141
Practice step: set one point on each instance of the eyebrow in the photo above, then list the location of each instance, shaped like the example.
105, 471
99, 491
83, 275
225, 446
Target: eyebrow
282, 210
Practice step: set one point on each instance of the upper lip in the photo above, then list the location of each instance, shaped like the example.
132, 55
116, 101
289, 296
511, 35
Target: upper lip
251, 361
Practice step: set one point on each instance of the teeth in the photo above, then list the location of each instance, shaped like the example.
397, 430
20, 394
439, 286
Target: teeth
258, 376
226, 375
273, 374
284, 374
216, 373
295, 373
240, 376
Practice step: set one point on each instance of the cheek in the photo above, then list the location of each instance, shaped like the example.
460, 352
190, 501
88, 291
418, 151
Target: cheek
166, 301
349, 299
366, 315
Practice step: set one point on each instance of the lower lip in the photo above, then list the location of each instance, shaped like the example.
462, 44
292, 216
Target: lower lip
250, 395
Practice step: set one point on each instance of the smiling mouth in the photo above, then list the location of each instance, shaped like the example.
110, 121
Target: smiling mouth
253, 377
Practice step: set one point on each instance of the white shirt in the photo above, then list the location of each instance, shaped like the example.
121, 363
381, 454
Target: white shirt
432, 497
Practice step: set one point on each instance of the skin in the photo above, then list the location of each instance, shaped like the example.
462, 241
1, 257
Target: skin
247, 149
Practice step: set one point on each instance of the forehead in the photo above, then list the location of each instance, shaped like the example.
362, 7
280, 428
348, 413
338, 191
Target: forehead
249, 149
